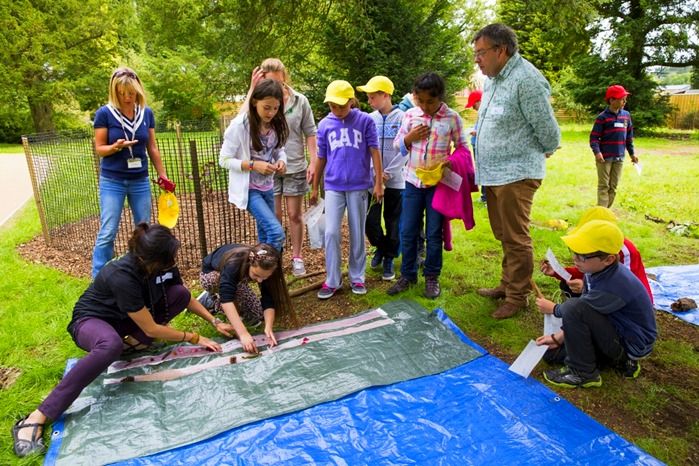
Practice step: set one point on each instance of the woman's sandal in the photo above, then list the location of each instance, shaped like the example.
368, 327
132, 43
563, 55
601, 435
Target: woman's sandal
27, 447
132, 345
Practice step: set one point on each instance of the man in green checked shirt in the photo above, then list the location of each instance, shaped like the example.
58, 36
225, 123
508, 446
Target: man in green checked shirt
517, 131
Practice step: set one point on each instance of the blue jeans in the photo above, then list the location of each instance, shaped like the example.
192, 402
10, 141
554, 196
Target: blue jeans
269, 230
112, 193
415, 202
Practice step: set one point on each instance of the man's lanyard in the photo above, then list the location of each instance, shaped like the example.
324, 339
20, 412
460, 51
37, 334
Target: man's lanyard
128, 125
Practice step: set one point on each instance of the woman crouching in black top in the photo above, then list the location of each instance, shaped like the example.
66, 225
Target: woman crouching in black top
127, 305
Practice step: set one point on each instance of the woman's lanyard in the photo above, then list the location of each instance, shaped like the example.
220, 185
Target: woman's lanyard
132, 161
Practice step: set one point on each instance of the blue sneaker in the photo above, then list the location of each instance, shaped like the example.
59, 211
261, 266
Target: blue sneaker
388, 272
376, 260
326, 292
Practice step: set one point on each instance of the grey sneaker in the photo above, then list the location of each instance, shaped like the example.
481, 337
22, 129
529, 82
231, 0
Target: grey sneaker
568, 378
432, 289
388, 272
326, 292
358, 288
400, 286
206, 300
297, 267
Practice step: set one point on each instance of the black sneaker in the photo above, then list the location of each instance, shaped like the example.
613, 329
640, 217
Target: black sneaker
630, 368
432, 289
568, 378
388, 271
400, 286
376, 260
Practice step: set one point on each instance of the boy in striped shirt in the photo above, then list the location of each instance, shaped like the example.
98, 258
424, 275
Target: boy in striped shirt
611, 136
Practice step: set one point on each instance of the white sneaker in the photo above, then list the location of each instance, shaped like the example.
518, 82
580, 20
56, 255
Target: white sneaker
297, 267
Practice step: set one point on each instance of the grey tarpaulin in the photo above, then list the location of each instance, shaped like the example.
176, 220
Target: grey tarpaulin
134, 419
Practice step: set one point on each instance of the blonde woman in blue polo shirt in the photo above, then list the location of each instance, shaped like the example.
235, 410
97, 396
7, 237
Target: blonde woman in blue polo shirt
124, 140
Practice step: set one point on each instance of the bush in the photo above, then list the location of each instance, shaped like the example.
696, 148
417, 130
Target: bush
690, 120
13, 124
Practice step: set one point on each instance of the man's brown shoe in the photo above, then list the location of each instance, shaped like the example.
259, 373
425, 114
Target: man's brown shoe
506, 310
496, 293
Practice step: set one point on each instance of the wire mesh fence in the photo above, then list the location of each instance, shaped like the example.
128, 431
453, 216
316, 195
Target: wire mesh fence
64, 170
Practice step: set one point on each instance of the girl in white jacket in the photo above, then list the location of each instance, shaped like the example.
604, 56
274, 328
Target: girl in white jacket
252, 152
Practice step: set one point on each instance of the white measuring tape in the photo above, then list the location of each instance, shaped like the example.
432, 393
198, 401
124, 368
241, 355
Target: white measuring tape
242, 357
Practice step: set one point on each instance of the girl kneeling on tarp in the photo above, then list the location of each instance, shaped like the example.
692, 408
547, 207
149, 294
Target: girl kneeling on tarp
226, 274
129, 304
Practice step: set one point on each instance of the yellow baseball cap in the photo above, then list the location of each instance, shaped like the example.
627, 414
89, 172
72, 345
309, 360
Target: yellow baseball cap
595, 213
595, 235
339, 92
376, 84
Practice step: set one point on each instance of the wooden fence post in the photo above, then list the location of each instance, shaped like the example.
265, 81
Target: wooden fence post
35, 188
196, 179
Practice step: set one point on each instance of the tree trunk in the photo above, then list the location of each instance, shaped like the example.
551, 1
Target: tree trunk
638, 40
42, 114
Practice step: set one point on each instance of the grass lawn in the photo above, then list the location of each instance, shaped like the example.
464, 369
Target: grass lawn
11, 148
659, 411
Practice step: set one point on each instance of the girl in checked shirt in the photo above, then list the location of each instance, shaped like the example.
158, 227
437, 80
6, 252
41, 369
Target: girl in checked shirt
429, 133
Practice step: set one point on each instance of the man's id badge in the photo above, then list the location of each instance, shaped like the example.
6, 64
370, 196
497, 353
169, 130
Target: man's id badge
619, 124
134, 162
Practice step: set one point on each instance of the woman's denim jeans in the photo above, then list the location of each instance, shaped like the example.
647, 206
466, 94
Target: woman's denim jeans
112, 193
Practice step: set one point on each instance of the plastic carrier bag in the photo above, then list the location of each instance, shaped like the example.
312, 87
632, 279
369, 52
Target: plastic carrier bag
314, 218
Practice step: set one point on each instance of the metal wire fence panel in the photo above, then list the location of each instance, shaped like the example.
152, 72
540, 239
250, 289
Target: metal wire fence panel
64, 169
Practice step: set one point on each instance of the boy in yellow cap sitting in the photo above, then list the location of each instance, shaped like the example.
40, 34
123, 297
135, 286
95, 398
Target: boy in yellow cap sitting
611, 322
629, 256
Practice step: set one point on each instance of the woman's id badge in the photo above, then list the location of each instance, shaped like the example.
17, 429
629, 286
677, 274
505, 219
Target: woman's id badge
134, 162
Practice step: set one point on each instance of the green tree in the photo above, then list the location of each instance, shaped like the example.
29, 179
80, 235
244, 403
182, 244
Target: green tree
55, 50
551, 34
223, 42
396, 38
624, 39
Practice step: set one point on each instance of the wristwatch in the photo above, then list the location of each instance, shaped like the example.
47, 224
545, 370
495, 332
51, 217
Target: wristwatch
215, 321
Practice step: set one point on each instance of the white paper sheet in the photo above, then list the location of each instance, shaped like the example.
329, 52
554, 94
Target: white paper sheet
552, 324
638, 167
451, 179
528, 359
557, 267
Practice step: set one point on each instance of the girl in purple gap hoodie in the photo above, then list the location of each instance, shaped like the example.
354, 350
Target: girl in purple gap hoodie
347, 143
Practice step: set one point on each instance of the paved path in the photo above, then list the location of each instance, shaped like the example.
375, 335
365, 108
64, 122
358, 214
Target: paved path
15, 185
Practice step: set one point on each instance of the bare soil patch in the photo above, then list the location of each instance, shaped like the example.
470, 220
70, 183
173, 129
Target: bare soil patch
8, 375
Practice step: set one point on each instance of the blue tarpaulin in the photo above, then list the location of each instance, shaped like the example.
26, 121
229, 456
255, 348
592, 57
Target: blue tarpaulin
477, 413
674, 282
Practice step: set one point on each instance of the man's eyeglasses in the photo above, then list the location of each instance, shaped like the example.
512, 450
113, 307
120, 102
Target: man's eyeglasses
584, 257
480, 53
